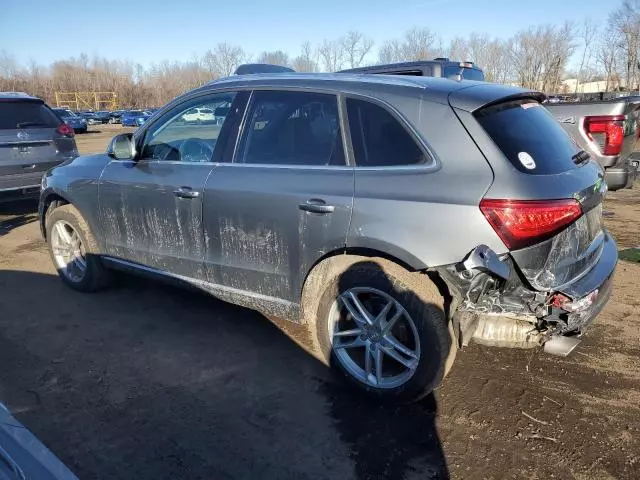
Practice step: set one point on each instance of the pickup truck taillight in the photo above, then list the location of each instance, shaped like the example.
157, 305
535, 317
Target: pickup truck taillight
520, 223
607, 131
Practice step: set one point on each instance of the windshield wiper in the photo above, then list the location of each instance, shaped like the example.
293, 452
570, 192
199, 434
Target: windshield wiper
31, 124
580, 157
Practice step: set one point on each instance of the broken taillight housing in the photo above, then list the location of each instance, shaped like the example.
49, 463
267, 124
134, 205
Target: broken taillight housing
607, 131
521, 223
565, 303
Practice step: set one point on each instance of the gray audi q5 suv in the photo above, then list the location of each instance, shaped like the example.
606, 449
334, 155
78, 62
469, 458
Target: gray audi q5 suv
395, 218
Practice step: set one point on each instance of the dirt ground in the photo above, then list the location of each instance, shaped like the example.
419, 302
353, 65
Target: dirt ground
145, 381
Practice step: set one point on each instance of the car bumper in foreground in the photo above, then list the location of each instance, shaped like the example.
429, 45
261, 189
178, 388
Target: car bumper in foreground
23, 456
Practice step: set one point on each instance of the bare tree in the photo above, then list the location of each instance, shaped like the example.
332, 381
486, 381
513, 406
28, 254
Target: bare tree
606, 56
224, 59
416, 44
331, 55
540, 55
588, 33
307, 60
356, 46
277, 57
493, 56
458, 49
625, 24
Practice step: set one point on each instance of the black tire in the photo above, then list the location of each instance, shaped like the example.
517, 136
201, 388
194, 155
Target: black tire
421, 299
96, 275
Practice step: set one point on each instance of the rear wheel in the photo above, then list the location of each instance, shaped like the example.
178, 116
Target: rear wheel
73, 250
385, 329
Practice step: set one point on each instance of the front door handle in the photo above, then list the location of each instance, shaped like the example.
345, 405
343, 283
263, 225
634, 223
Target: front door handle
315, 205
186, 192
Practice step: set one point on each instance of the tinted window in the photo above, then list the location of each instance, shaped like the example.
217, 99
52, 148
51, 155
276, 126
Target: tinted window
379, 140
26, 115
532, 140
293, 128
467, 73
179, 139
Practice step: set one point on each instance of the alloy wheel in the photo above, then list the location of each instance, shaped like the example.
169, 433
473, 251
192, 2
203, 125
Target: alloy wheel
374, 338
68, 251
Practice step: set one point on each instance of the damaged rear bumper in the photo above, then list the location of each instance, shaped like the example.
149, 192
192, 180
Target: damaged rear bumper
596, 285
499, 311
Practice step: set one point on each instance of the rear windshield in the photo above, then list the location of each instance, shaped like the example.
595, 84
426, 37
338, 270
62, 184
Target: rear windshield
26, 115
467, 73
532, 140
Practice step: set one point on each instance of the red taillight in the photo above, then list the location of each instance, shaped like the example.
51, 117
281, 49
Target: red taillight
65, 130
521, 223
609, 132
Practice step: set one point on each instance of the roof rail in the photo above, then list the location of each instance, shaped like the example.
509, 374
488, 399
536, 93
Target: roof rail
251, 68
441, 59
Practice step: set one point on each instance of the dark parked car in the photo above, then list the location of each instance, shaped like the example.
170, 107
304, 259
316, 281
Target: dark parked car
103, 116
397, 218
438, 67
115, 116
76, 122
134, 118
32, 140
90, 117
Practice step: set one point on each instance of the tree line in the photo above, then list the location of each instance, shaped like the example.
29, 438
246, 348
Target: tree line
607, 50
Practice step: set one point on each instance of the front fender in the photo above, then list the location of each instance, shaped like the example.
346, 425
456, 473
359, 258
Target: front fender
77, 184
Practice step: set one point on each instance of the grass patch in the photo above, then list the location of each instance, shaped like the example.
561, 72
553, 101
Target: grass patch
630, 255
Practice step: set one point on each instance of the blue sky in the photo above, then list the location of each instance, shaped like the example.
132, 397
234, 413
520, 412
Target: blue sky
147, 31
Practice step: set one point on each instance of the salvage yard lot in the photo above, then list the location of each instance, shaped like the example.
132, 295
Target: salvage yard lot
145, 381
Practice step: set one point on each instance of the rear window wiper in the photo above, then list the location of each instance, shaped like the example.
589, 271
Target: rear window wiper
31, 124
580, 157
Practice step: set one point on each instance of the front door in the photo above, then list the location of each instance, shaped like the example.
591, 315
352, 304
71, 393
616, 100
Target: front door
284, 202
151, 209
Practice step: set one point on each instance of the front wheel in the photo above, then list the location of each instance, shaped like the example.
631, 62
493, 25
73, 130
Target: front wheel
386, 330
74, 250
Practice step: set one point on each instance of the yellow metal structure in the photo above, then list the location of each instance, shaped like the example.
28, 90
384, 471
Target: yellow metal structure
87, 100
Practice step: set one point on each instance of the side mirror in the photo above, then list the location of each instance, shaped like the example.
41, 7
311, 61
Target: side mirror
122, 147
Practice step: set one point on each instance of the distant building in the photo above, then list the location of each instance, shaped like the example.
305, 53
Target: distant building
569, 86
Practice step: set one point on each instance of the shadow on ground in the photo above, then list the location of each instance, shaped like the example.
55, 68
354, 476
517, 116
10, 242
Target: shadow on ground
16, 213
148, 382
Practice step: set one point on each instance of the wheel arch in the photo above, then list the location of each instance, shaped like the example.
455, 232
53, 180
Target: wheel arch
49, 199
335, 262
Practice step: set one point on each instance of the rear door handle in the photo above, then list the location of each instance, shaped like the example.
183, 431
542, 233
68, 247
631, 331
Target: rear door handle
316, 205
186, 192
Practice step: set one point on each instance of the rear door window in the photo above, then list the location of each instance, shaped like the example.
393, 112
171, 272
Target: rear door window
20, 115
293, 128
379, 140
531, 139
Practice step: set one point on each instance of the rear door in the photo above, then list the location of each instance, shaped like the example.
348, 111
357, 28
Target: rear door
30, 143
285, 201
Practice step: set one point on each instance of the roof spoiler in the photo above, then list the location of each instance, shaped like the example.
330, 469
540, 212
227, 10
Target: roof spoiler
251, 68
